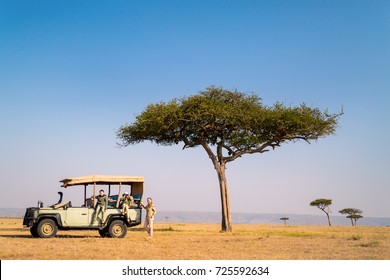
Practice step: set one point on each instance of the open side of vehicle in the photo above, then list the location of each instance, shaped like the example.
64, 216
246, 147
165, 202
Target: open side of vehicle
44, 222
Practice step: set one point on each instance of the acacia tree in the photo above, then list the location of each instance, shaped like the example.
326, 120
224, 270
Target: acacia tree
323, 204
353, 214
285, 219
227, 125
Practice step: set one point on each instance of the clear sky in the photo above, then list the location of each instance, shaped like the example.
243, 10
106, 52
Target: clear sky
72, 72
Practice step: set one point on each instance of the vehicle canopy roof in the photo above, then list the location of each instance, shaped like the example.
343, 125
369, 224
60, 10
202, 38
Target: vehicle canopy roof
101, 180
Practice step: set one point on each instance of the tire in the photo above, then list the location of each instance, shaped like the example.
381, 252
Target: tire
117, 229
103, 232
34, 231
47, 228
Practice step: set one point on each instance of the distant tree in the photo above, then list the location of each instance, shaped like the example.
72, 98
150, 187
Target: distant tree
227, 125
323, 204
354, 218
353, 214
285, 219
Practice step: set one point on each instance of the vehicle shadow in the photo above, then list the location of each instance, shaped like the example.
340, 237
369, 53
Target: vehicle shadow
14, 229
27, 236
76, 237
25, 233
15, 236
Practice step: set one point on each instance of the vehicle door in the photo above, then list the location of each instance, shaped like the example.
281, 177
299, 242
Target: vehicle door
77, 217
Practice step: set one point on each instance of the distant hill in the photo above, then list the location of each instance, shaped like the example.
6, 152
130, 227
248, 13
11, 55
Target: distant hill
239, 218
12, 212
262, 218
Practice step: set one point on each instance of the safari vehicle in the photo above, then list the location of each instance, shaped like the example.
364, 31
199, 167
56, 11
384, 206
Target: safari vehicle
46, 221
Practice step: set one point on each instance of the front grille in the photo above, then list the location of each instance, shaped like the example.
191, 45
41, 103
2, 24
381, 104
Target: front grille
30, 215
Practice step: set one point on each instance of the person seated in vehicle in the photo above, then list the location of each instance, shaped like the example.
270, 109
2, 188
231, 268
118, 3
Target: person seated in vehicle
126, 201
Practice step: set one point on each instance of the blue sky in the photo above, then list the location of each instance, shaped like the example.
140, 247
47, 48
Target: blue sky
72, 72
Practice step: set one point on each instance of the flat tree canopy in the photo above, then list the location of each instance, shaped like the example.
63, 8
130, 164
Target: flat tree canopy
323, 205
353, 214
227, 124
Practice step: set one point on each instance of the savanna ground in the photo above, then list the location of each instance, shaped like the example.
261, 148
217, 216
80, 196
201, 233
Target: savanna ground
201, 242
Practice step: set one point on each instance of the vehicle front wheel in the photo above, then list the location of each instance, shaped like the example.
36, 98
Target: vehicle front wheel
103, 232
34, 231
117, 229
47, 228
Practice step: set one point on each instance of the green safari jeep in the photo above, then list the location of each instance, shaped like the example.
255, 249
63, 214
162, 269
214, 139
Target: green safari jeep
44, 222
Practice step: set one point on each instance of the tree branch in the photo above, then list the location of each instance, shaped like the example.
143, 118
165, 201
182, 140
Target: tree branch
210, 154
230, 150
219, 152
250, 150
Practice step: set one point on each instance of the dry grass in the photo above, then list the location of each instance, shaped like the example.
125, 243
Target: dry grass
202, 242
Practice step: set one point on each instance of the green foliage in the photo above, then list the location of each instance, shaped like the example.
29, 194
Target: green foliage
285, 219
355, 217
353, 214
350, 211
321, 203
235, 122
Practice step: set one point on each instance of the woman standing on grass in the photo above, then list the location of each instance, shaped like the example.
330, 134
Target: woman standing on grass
150, 213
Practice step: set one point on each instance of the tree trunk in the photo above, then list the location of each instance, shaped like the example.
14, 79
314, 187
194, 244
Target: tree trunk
328, 218
220, 166
226, 223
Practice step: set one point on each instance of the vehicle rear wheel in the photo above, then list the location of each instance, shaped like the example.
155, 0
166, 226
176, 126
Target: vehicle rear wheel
103, 232
34, 231
47, 228
117, 229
